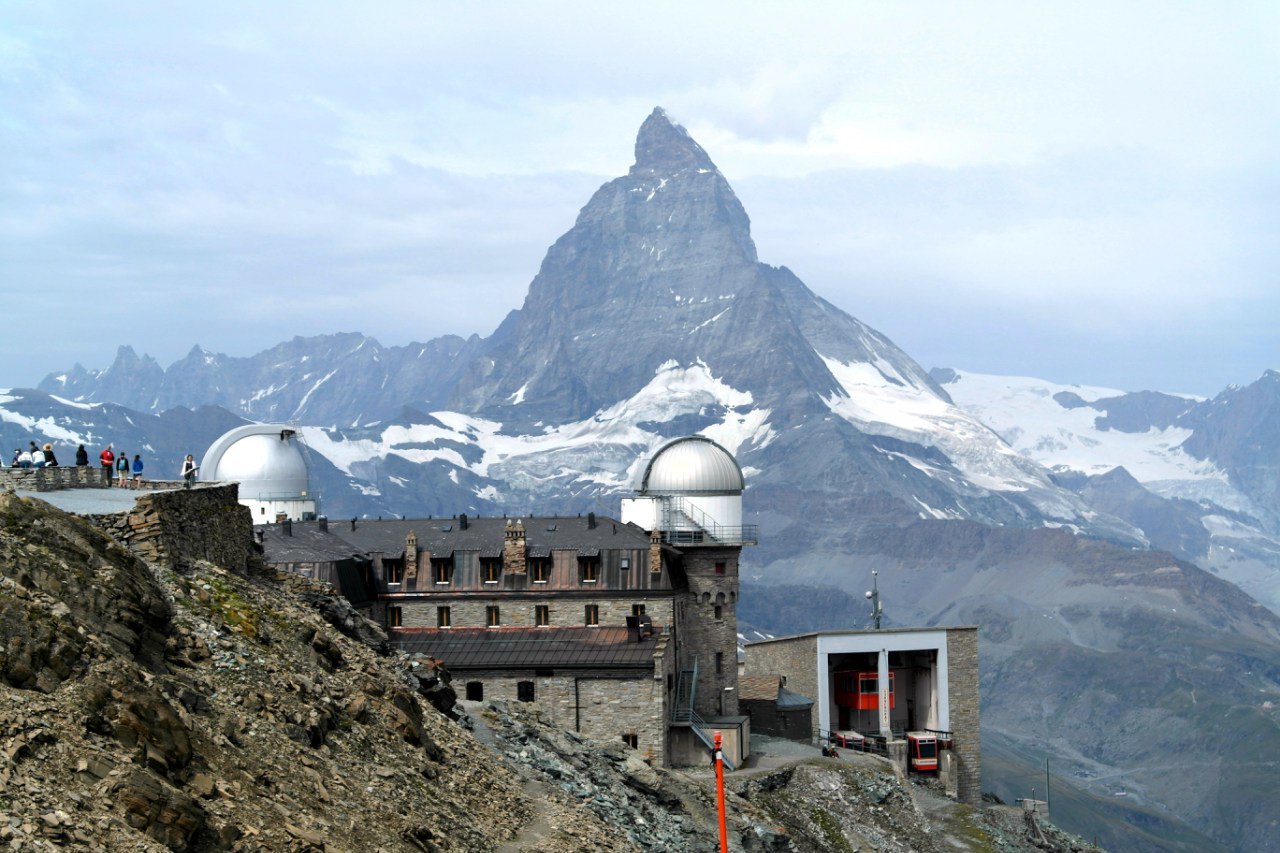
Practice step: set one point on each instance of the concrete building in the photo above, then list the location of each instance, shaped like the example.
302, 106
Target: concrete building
268, 463
618, 628
885, 683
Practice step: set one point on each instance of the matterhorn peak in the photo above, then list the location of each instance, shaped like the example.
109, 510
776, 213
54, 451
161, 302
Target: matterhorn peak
663, 146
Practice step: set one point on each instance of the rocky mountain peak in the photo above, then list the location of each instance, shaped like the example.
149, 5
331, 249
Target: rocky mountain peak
663, 146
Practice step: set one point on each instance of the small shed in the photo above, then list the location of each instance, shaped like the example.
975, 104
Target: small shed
775, 710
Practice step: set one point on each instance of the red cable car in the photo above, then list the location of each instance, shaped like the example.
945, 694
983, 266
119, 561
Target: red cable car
860, 691
922, 751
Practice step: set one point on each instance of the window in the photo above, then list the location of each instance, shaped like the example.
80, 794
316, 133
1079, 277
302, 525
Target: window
442, 570
442, 617
475, 691
632, 741
491, 570
524, 691
540, 569
637, 610
719, 612
393, 617
625, 564
592, 614
719, 568
542, 615
395, 572
588, 569
492, 618
719, 663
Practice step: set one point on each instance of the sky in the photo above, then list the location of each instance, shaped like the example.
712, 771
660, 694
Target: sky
1086, 192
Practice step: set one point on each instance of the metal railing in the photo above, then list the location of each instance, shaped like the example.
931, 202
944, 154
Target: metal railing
704, 530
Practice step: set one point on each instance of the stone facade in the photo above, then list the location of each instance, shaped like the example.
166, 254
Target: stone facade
797, 660
709, 627
962, 685
598, 705
521, 612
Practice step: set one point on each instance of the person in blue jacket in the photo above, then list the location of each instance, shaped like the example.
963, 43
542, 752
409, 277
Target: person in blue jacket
137, 470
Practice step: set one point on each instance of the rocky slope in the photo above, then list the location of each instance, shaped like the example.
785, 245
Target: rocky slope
206, 710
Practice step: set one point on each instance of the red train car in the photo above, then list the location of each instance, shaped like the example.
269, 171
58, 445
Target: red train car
860, 691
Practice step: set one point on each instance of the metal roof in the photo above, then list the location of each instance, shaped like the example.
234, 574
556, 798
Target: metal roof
693, 465
758, 687
530, 648
443, 536
306, 543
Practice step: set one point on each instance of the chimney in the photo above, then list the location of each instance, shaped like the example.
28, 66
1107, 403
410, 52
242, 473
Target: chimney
324, 523
591, 521
462, 521
287, 527
411, 554
513, 549
655, 552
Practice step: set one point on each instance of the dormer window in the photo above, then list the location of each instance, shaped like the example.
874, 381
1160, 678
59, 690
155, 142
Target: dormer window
442, 570
491, 569
588, 569
540, 569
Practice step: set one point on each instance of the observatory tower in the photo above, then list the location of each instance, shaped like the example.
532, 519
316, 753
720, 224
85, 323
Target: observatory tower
690, 496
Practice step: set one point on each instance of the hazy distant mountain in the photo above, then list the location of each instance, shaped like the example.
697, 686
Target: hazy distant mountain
652, 317
1199, 477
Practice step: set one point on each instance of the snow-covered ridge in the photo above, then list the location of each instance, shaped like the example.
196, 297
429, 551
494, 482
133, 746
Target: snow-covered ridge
880, 401
1025, 413
585, 451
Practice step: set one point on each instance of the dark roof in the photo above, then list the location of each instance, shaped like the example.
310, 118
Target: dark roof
788, 700
443, 536
529, 648
306, 544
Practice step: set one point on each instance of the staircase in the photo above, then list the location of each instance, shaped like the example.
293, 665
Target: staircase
682, 709
683, 523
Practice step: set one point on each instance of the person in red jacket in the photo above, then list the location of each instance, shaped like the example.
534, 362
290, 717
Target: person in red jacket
108, 461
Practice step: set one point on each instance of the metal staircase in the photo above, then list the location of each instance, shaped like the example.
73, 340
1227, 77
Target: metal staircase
682, 709
683, 523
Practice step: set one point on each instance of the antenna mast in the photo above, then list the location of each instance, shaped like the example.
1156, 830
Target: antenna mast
873, 595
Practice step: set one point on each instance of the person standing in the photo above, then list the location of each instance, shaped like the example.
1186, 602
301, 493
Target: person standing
82, 457
122, 470
108, 460
137, 470
189, 469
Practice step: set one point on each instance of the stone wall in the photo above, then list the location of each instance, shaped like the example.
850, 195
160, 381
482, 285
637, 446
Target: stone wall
54, 479
702, 635
962, 688
796, 659
601, 705
175, 527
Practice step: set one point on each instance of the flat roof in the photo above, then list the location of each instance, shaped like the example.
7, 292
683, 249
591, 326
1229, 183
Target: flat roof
855, 632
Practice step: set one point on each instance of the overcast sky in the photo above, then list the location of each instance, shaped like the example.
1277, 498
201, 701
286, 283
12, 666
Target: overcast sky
1082, 192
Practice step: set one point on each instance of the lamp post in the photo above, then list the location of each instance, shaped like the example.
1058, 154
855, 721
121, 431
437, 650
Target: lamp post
724, 830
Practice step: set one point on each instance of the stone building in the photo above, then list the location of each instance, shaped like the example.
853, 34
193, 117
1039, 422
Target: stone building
885, 683
618, 628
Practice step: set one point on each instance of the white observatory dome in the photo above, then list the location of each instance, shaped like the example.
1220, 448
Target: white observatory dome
264, 459
693, 465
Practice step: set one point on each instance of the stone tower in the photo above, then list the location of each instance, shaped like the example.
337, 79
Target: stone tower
691, 497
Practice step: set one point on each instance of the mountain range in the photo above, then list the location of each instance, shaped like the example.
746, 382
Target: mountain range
1116, 548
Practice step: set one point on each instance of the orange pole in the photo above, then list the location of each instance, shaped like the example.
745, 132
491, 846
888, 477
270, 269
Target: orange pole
724, 830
